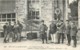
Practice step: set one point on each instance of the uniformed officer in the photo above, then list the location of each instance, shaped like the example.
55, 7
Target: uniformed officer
67, 31
43, 29
74, 33
10, 31
5, 27
15, 31
19, 30
60, 31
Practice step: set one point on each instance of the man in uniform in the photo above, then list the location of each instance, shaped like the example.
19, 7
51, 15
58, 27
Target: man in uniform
15, 32
5, 27
43, 29
74, 33
67, 31
20, 27
61, 31
10, 31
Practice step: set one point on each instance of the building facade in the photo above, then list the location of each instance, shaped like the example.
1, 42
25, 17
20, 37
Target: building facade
41, 9
30, 12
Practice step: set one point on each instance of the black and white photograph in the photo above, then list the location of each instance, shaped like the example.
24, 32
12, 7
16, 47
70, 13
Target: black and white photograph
39, 24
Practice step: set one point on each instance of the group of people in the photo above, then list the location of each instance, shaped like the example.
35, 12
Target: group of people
12, 31
59, 31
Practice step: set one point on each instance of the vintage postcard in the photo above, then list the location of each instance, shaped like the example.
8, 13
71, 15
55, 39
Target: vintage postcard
39, 24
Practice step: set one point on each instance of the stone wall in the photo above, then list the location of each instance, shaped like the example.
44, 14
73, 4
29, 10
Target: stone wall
21, 9
46, 10
79, 14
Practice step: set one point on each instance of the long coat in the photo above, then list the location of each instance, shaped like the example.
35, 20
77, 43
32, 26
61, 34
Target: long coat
43, 28
61, 28
67, 29
5, 27
73, 30
20, 28
15, 28
10, 28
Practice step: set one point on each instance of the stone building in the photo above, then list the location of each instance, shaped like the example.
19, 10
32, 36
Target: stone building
27, 11
41, 9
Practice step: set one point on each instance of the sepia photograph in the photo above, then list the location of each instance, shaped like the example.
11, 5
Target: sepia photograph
39, 24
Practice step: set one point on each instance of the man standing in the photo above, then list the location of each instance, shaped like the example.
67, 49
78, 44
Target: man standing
43, 29
67, 31
74, 33
52, 31
10, 31
5, 27
20, 27
61, 31
15, 31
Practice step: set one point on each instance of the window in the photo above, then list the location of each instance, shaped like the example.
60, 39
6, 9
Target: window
7, 17
33, 12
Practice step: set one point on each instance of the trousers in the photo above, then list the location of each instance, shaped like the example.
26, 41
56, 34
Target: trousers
74, 40
44, 37
68, 39
53, 38
61, 37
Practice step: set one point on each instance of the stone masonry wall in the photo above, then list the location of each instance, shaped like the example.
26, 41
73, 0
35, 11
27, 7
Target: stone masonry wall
21, 9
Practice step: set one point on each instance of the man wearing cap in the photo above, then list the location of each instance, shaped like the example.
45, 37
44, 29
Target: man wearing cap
74, 33
5, 27
67, 31
52, 31
60, 31
43, 29
10, 31
15, 31
20, 27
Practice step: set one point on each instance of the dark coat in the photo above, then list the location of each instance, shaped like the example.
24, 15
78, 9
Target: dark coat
43, 28
53, 28
10, 28
67, 29
61, 28
5, 28
15, 28
73, 30
20, 28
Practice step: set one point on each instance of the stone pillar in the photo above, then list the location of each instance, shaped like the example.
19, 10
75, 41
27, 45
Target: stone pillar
65, 11
53, 9
21, 9
79, 14
46, 10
